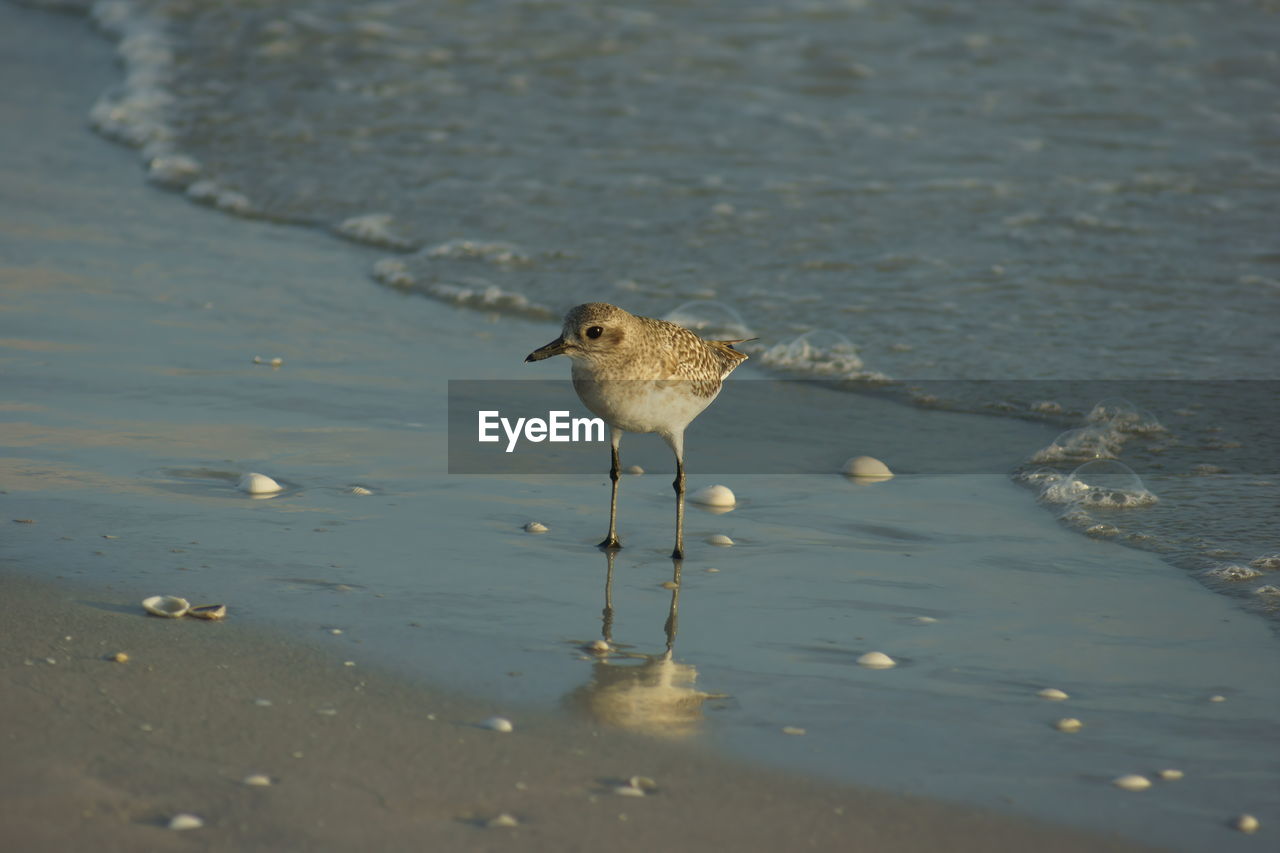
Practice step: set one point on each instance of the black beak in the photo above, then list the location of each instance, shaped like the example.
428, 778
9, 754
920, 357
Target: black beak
556, 347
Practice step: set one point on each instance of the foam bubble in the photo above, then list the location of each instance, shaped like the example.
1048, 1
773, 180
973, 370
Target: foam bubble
1121, 415
1078, 445
820, 352
711, 319
1232, 572
377, 229
1108, 484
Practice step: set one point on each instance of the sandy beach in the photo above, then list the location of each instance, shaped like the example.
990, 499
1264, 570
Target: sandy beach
131, 403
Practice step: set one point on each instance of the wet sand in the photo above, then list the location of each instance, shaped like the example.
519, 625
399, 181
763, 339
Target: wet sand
100, 755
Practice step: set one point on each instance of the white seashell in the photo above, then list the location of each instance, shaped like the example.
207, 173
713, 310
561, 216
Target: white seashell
1247, 823
535, 527
503, 820
643, 783
1217, 698
634, 469
719, 539
1132, 782
1171, 775
257, 780
169, 606
714, 496
254, 483
1068, 725
597, 646
209, 611
359, 490
628, 791
924, 620
497, 724
876, 660
792, 730
866, 468
1053, 694
185, 821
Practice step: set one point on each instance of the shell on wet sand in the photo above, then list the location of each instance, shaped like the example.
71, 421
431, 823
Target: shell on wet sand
1132, 782
1053, 694
719, 539
168, 606
185, 821
254, 483
876, 660
716, 495
535, 527
497, 724
867, 468
1068, 725
209, 611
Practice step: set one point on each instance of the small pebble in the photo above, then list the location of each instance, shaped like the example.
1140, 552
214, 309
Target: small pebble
119, 657
257, 780
1068, 725
1247, 824
185, 821
503, 820
535, 527
716, 495
719, 539
498, 724
1171, 775
1132, 782
1053, 694
876, 660
793, 730
867, 468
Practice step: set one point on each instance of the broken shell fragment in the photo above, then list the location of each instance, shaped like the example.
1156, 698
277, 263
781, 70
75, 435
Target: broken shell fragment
1053, 694
1132, 782
1171, 774
209, 611
169, 606
185, 821
257, 780
876, 660
1068, 725
503, 820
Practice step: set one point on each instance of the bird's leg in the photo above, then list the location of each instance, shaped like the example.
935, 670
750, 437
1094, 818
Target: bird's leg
615, 471
678, 485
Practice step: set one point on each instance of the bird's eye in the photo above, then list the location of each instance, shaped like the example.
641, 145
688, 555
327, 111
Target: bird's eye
595, 332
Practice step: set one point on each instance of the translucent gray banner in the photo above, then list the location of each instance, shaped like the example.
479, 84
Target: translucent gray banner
786, 426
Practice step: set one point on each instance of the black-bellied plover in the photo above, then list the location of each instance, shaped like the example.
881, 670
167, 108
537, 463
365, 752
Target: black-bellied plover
641, 375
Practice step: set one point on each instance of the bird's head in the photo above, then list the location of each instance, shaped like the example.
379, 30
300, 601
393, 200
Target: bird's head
594, 330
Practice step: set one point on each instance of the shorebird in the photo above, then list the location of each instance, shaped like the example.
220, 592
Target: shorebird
641, 375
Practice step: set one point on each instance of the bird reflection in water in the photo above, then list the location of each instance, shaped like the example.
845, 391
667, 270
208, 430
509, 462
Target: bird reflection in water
649, 694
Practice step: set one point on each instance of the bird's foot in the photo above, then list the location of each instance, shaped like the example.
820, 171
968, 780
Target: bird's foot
611, 543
